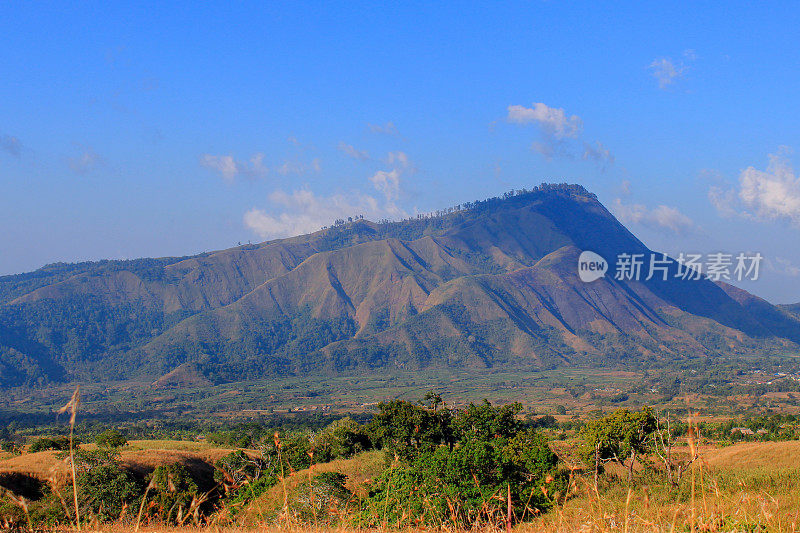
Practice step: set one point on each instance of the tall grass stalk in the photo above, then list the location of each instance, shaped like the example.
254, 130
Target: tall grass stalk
72, 407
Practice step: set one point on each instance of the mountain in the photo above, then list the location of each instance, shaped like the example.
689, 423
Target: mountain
487, 284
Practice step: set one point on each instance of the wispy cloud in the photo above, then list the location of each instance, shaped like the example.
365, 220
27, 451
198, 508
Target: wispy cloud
229, 168
398, 159
667, 70
559, 134
662, 217
388, 183
10, 145
598, 153
783, 266
350, 150
386, 129
298, 168
723, 199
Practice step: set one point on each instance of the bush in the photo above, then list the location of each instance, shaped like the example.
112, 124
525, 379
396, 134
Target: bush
342, 438
9, 446
172, 493
459, 478
324, 497
106, 489
245, 478
404, 429
111, 438
47, 443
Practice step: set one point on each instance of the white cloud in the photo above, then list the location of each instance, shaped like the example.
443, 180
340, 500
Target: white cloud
774, 193
84, 163
290, 167
304, 212
553, 121
229, 168
349, 149
666, 71
771, 194
386, 129
559, 133
223, 164
661, 217
389, 184
10, 145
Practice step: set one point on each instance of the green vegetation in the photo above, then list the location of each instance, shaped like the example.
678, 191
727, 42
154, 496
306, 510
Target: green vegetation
455, 468
48, 443
112, 439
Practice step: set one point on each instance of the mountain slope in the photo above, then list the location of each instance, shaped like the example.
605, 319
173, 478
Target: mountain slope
485, 284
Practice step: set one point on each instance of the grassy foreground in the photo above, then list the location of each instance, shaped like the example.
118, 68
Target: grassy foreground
744, 487
413, 466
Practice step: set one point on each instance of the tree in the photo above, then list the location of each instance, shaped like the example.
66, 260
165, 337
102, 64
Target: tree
111, 439
404, 428
618, 437
455, 468
106, 488
341, 438
484, 421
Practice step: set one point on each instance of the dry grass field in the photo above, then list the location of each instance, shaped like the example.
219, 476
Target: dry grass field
139, 455
743, 487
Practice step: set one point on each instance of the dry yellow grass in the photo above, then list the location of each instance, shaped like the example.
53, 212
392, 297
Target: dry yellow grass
753, 455
40, 465
745, 487
139, 455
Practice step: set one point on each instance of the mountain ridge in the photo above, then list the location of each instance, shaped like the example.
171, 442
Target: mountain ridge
489, 284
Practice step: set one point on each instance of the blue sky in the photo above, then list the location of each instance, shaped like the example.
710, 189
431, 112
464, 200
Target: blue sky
170, 129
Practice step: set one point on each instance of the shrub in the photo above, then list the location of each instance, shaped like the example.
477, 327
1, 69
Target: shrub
245, 478
342, 438
111, 438
460, 477
106, 489
9, 446
324, 497
173, 491
47, 443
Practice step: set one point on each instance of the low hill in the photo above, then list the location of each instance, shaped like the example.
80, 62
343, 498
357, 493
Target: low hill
486, 284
